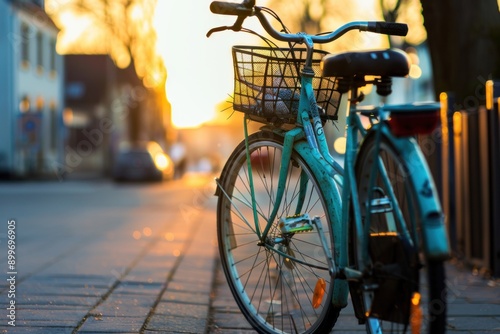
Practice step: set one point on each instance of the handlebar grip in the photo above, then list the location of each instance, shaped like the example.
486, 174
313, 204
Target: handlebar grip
229, 8
388, 28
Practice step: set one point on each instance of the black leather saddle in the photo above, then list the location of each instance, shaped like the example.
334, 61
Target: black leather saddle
384, 63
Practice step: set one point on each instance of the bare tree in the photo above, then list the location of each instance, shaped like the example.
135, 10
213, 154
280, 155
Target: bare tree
315, 16
463, 36
124, 30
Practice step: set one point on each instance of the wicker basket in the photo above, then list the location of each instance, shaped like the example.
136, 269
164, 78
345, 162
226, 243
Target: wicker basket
267, 84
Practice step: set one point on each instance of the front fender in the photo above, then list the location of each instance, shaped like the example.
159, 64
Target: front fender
333, 203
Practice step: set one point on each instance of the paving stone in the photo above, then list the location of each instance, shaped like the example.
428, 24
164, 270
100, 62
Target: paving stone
230, 320
182, 309
35, 330
54, 301
66, 314
479, 310
55, 290
113, 324
474, 324
139, 287
126, 305
189, 287
186, 297
169, 324
232, 331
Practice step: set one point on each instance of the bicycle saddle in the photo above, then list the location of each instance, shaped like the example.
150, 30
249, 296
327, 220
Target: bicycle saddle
391, 63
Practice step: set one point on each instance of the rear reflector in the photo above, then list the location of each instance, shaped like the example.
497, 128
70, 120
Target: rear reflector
411, 123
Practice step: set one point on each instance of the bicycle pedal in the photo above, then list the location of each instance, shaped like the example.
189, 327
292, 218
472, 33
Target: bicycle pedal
380, 205
296, 224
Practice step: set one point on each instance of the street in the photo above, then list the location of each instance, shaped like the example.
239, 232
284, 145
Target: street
93, 256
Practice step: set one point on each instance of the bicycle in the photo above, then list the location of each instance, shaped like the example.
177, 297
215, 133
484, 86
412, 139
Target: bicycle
298, 232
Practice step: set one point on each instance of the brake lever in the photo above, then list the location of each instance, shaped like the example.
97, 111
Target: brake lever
235, 27
239, 21
217, 29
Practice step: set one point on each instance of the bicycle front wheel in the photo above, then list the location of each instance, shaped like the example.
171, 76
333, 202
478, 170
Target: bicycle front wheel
400, 275
281, 284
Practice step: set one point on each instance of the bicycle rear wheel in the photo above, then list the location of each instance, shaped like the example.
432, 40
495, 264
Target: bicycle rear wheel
400, 274
281, 284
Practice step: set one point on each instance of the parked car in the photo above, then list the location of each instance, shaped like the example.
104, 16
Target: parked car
143, 161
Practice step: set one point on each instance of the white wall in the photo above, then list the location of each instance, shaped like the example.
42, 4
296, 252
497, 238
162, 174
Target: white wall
7, 47
33, 81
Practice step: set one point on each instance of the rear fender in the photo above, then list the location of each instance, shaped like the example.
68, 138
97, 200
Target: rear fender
434, 232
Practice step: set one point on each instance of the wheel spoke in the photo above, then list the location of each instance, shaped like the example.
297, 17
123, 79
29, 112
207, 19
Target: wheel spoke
388, 203
273, 280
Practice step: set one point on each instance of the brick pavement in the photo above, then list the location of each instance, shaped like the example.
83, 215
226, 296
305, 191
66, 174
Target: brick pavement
157, 292
108, 282
474, 306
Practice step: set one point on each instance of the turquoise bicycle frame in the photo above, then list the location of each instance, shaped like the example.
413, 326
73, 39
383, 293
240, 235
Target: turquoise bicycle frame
309, 141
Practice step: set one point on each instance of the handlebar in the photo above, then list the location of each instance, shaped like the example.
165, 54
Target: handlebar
230, 8
388, 28
242, 10
247, 8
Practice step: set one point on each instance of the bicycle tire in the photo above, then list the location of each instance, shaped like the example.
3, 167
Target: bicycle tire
431, 274
273, 295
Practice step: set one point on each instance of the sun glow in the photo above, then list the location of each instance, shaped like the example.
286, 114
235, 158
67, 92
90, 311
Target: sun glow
199, 69
72, 38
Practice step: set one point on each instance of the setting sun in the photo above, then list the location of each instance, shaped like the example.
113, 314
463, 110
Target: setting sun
199, 69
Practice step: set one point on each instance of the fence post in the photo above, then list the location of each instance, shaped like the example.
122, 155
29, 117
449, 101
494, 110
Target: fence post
461, 179
493, 108
448, 188
482, 236
476, 197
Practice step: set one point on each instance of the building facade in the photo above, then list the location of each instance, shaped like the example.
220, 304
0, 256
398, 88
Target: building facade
101, 99
31, 91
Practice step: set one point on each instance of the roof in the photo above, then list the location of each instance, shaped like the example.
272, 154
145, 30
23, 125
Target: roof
34, 10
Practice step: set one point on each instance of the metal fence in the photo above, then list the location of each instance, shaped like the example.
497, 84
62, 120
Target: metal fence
467, 168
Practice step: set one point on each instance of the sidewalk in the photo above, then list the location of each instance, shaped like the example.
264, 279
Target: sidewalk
99, 257
474, 306
88, 275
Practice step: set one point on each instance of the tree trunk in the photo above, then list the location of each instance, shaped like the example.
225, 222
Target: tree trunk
464, 43
130, 77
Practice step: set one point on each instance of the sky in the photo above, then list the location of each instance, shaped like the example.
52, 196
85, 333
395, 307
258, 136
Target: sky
199, 69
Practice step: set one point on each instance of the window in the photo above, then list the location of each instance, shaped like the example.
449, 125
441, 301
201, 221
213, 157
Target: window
53, 125
25, 45
52, 60
40, 104
39, 51
24, 104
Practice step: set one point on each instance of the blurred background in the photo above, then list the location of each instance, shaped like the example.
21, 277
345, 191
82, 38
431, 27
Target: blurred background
82, 79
